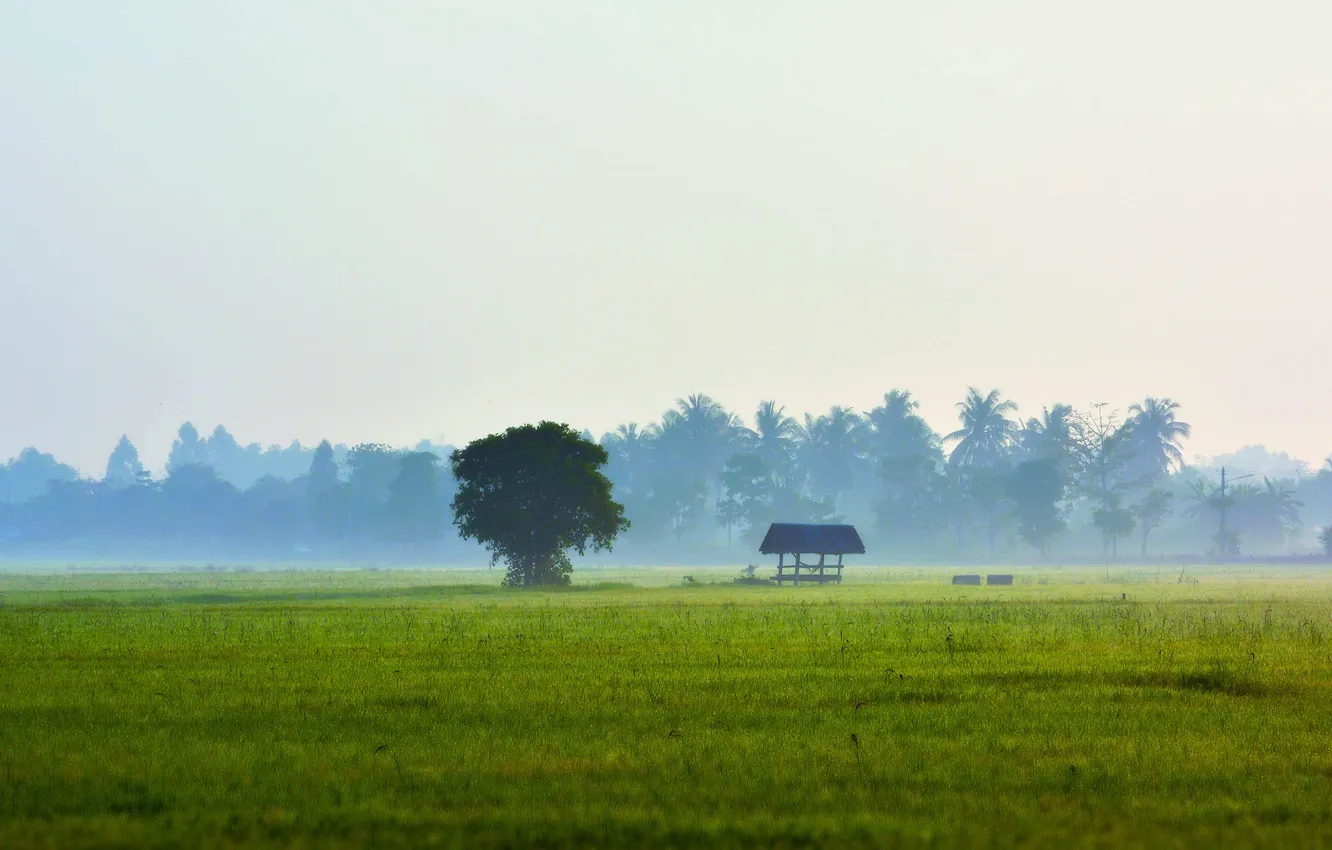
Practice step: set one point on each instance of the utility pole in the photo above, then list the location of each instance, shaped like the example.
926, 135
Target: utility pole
1224, 543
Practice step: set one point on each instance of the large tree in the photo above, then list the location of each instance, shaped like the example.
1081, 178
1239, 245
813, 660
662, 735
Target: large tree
986, 432
531, 494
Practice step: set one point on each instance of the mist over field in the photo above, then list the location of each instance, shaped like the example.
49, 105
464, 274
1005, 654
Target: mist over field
702, 484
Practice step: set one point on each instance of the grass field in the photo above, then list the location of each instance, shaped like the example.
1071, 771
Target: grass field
410, 708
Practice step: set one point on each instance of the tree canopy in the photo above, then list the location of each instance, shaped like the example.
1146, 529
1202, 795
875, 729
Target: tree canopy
531, 494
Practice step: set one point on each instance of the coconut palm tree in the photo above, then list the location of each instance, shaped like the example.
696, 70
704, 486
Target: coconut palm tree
986, 431
828, 451
696, 437
630, 450
1049, 437
896, 429
1156, 433
773, 438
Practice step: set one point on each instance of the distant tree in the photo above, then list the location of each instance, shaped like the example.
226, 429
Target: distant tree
630, 451
1154, 509
1156, 433
531, 494
271, 511
986, 489
187, 450
323, 469
696, 437
986, 431
1269, 513
326, 495
896, 430
773, 438
371, 467
123, 467
1101, 452
1036, 488
747, 482
674, 504
1115, 522
1325, 537
31, 474
829, 451
1050, 437
909, 512
416, 509
196, 502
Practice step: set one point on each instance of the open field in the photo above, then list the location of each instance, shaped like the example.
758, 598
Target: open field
409, 708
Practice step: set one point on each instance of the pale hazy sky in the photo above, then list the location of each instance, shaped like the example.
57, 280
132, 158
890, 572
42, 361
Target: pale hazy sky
399, 220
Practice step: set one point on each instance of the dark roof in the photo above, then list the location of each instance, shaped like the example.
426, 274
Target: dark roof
791, 537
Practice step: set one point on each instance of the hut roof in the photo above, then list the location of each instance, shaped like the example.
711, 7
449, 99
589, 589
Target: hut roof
789, 537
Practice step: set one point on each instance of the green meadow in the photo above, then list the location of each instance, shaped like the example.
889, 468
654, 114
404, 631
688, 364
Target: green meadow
1135, 707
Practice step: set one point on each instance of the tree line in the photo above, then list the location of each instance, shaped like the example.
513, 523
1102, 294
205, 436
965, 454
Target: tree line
703, 483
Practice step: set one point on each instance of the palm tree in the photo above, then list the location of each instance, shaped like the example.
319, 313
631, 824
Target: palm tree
630, 451
896, 429
828, 451
697, 436
986, 430
1049, 437
1156, 433
773, 438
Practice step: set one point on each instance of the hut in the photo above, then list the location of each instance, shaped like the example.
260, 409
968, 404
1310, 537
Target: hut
799, 540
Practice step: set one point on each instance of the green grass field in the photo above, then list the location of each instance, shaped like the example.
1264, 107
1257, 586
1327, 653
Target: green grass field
411, 708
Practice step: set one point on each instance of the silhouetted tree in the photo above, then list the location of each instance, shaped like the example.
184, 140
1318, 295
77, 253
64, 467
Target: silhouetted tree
1153, 510
187, 450
31, 474
416, 508
747, 481
829, 451
123, 467
896, 430
371, 468
772, 439
696, 437
1050, 437
326, 495
986, 431
1115, 522
531, 494
1156, 433
910, 511
1102, 451
1036, 488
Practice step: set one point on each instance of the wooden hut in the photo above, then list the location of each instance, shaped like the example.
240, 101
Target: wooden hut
799, 540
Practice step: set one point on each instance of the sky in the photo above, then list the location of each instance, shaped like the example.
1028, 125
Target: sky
409, 220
